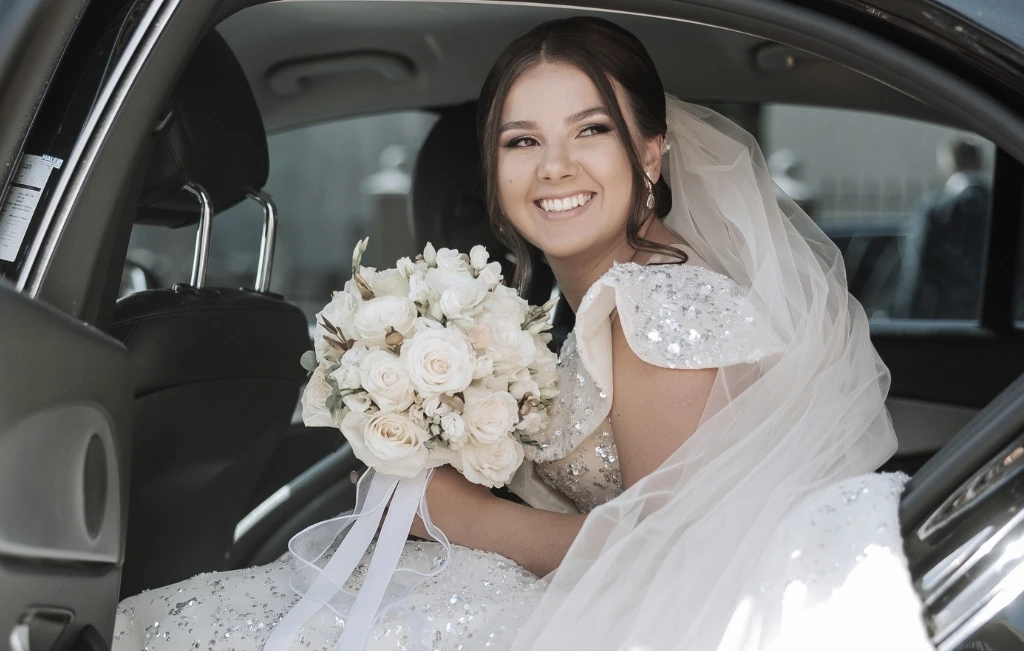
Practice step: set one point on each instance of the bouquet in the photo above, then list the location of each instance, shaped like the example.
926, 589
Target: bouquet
433, 362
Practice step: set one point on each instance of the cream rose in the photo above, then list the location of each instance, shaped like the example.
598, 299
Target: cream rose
340, 312
491, 465
390, 282
510, 346
478, 257
506, 303
522, 383
491, 275
377, 315
347, 376
490, 416
451, 260
390, 443
434, 408
384, 377
439, 361
358, 402
462, 296
314, 400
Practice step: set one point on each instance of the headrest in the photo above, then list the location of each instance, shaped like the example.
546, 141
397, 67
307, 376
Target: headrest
448, 204
211, 134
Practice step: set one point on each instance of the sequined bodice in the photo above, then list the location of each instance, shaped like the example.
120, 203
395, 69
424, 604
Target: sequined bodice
678, 316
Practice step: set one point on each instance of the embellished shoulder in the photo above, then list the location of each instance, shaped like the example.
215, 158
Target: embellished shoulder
674, 316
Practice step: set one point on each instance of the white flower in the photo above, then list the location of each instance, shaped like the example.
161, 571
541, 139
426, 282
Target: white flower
531, 423
340, 312
460, 293
522, 383
385, 379
406, 267
358, 402
484, 367
478, 257
390, 282
417, 414
480, 335
347, 376
491, 465
491, 275
314, 400
453, 430
505, 302
434, 408
510, 346
354, 355
429, 254
490, 416
390, 443
439, 361
377, 315
451, 260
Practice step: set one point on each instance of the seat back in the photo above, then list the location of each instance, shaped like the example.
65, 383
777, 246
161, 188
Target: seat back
216, 370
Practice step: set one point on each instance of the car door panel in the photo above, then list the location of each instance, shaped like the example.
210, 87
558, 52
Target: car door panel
65, 419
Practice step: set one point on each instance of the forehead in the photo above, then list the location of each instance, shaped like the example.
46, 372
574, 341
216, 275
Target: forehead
550, 88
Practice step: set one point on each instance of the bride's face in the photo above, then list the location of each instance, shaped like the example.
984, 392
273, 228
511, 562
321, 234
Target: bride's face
563, 174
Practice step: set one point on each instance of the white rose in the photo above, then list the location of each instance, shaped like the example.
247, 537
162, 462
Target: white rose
478, 257
434, 408
325, 353
355, 354
505, 302
491, 275
484, 367
377, 315
451, 260
314, 400
531, 423
480, 335
406, 267
390, 443
347, 376
453, 430
420, 290
357, 402
340, 312
460, 294
491, 465
510, 346
423, 324
390, 282
490, 416
439, 361
385, 379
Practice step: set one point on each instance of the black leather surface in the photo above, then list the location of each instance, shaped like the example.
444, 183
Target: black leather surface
188, 337
212, 135
217, 376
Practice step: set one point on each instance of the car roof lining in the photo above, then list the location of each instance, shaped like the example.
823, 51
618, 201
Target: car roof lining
340, 59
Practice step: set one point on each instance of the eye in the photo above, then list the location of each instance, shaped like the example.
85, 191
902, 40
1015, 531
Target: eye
521, 141
594, 130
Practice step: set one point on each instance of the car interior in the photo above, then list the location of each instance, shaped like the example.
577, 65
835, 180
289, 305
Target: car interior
222, 471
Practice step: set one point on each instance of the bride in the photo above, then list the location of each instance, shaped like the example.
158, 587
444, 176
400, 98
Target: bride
705, 480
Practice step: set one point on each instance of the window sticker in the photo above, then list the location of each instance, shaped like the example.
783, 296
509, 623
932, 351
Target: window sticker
22, 199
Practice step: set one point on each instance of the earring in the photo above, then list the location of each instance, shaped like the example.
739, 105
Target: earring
665, 148
650, 191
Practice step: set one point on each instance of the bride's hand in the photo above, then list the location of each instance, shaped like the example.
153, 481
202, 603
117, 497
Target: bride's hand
453, 502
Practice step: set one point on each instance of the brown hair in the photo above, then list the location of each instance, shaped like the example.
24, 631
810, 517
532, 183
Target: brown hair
603, 51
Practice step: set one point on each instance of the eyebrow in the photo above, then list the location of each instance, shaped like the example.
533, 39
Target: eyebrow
572, 119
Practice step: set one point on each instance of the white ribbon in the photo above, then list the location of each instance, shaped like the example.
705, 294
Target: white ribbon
325, 587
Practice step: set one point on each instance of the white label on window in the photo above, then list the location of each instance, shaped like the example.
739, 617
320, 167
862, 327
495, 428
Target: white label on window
22, 199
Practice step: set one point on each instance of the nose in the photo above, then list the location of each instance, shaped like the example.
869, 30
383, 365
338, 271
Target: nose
557, 164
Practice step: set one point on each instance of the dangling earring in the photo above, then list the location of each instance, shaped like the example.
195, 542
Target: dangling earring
650, 191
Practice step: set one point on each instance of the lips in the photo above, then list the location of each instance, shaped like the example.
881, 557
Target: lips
564, 204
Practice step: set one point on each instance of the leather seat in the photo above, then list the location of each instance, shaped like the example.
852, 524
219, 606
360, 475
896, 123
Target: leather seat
216, 370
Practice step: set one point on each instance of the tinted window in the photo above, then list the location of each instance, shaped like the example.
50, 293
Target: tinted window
907, 202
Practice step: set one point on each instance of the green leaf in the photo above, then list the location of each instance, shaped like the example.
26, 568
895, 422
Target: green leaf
308, 361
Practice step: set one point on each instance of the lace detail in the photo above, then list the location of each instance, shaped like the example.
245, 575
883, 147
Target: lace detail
686, 316
576, 414
589, 475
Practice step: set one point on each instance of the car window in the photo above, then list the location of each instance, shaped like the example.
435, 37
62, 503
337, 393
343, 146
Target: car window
333, 184
908, 203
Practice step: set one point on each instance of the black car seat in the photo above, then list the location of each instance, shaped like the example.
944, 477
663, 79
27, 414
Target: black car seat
216, 370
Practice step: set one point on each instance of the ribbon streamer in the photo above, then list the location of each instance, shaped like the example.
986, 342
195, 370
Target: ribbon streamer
325, 587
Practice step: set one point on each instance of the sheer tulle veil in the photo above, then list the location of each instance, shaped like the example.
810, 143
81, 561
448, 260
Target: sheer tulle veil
684, 559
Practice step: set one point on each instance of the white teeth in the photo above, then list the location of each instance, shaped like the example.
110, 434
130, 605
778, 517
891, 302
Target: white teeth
568, 203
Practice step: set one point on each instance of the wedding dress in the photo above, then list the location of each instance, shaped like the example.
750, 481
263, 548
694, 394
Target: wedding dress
765, 530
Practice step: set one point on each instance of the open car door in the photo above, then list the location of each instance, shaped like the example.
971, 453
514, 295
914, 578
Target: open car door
65, 394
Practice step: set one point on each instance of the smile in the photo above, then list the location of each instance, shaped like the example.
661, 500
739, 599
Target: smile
566, 203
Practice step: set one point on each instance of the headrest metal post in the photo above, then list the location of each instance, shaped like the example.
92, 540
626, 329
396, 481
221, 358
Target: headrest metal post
266, 263
202, 256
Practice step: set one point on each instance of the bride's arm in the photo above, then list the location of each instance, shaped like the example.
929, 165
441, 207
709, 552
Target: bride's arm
654, 409
471, 516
